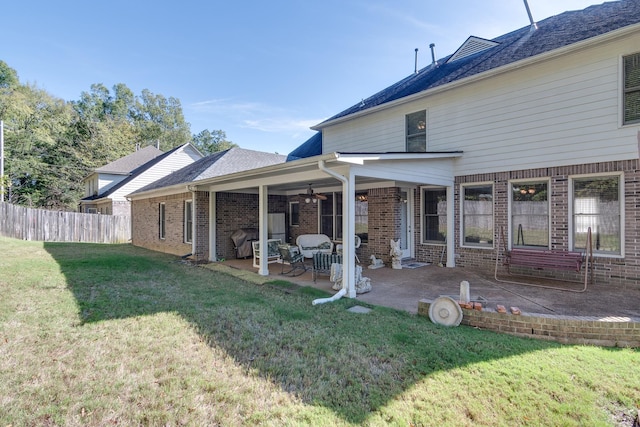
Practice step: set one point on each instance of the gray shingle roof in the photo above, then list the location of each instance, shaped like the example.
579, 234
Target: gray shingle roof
126, 164
222, 163
553, 33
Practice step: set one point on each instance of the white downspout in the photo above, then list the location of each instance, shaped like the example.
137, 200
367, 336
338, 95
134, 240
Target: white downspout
348, 285
337, 296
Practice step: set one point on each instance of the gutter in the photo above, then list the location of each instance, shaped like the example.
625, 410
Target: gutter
542, 57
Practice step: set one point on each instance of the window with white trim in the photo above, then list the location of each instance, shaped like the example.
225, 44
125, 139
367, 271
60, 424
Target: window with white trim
362, 217
631, 90
188, 221
597, 204
477, 215
434, 215
529, 214
416, 128
161, 221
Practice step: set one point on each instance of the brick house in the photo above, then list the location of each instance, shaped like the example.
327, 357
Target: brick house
526, 140
106, 187
170, 215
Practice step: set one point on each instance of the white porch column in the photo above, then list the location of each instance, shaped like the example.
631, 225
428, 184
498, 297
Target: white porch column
213, 254
451, 227
194, 226
348, 235
263, 228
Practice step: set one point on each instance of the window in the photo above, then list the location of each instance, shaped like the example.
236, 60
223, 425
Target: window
362, 217
597, 204
188, 221
294, 214
331, 216
631, 89
529, 214
417, 132
434, 208
477, 215
161, 221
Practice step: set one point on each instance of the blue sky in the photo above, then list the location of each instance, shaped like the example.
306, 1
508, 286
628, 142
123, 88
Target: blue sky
263, 72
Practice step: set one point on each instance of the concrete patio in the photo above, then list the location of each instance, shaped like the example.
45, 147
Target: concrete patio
403, 289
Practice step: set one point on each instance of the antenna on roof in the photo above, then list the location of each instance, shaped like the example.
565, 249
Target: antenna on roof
432, 46
534, 26
415, 68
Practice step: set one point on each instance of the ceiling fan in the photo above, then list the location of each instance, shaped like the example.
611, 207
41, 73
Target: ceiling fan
311, 195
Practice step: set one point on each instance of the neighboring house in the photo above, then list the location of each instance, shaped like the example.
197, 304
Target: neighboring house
533, 135
107, 186
168, 213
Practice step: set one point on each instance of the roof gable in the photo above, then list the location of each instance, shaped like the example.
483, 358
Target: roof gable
472, 46
140, 170
127, 164
217, 164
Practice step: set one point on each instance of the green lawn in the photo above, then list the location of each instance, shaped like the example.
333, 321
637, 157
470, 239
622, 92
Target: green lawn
117, 335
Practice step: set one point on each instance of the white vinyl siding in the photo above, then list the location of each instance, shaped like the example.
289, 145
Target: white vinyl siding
164, 167
562, 111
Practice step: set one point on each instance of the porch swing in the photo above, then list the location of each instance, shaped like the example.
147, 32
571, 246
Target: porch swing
545, 260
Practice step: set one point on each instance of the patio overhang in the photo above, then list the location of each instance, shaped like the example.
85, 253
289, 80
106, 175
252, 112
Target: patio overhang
336, 172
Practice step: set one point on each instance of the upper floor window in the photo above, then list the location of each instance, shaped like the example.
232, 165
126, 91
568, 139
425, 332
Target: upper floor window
597, 204
529, 214
631, 89
417, 132
477, 215
434, 208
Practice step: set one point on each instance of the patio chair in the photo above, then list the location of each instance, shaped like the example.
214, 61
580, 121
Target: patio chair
358, 242
322, 263
291, 255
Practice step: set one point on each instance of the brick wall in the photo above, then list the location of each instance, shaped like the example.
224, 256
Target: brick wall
384, 223
618, 272
121, 208
145, 224
610, 332
201, 232
237, 210
308, 219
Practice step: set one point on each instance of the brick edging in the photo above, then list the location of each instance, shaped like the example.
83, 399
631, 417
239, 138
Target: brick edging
584, 330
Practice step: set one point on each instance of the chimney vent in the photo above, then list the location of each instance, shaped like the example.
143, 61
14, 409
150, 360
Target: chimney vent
415, 68
534, 26
432, 46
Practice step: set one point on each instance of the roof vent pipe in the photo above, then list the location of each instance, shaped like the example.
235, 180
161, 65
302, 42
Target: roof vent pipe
432, 46
415, 68
534, 26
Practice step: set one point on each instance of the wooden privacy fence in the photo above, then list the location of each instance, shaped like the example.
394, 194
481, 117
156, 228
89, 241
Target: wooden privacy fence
54, 226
